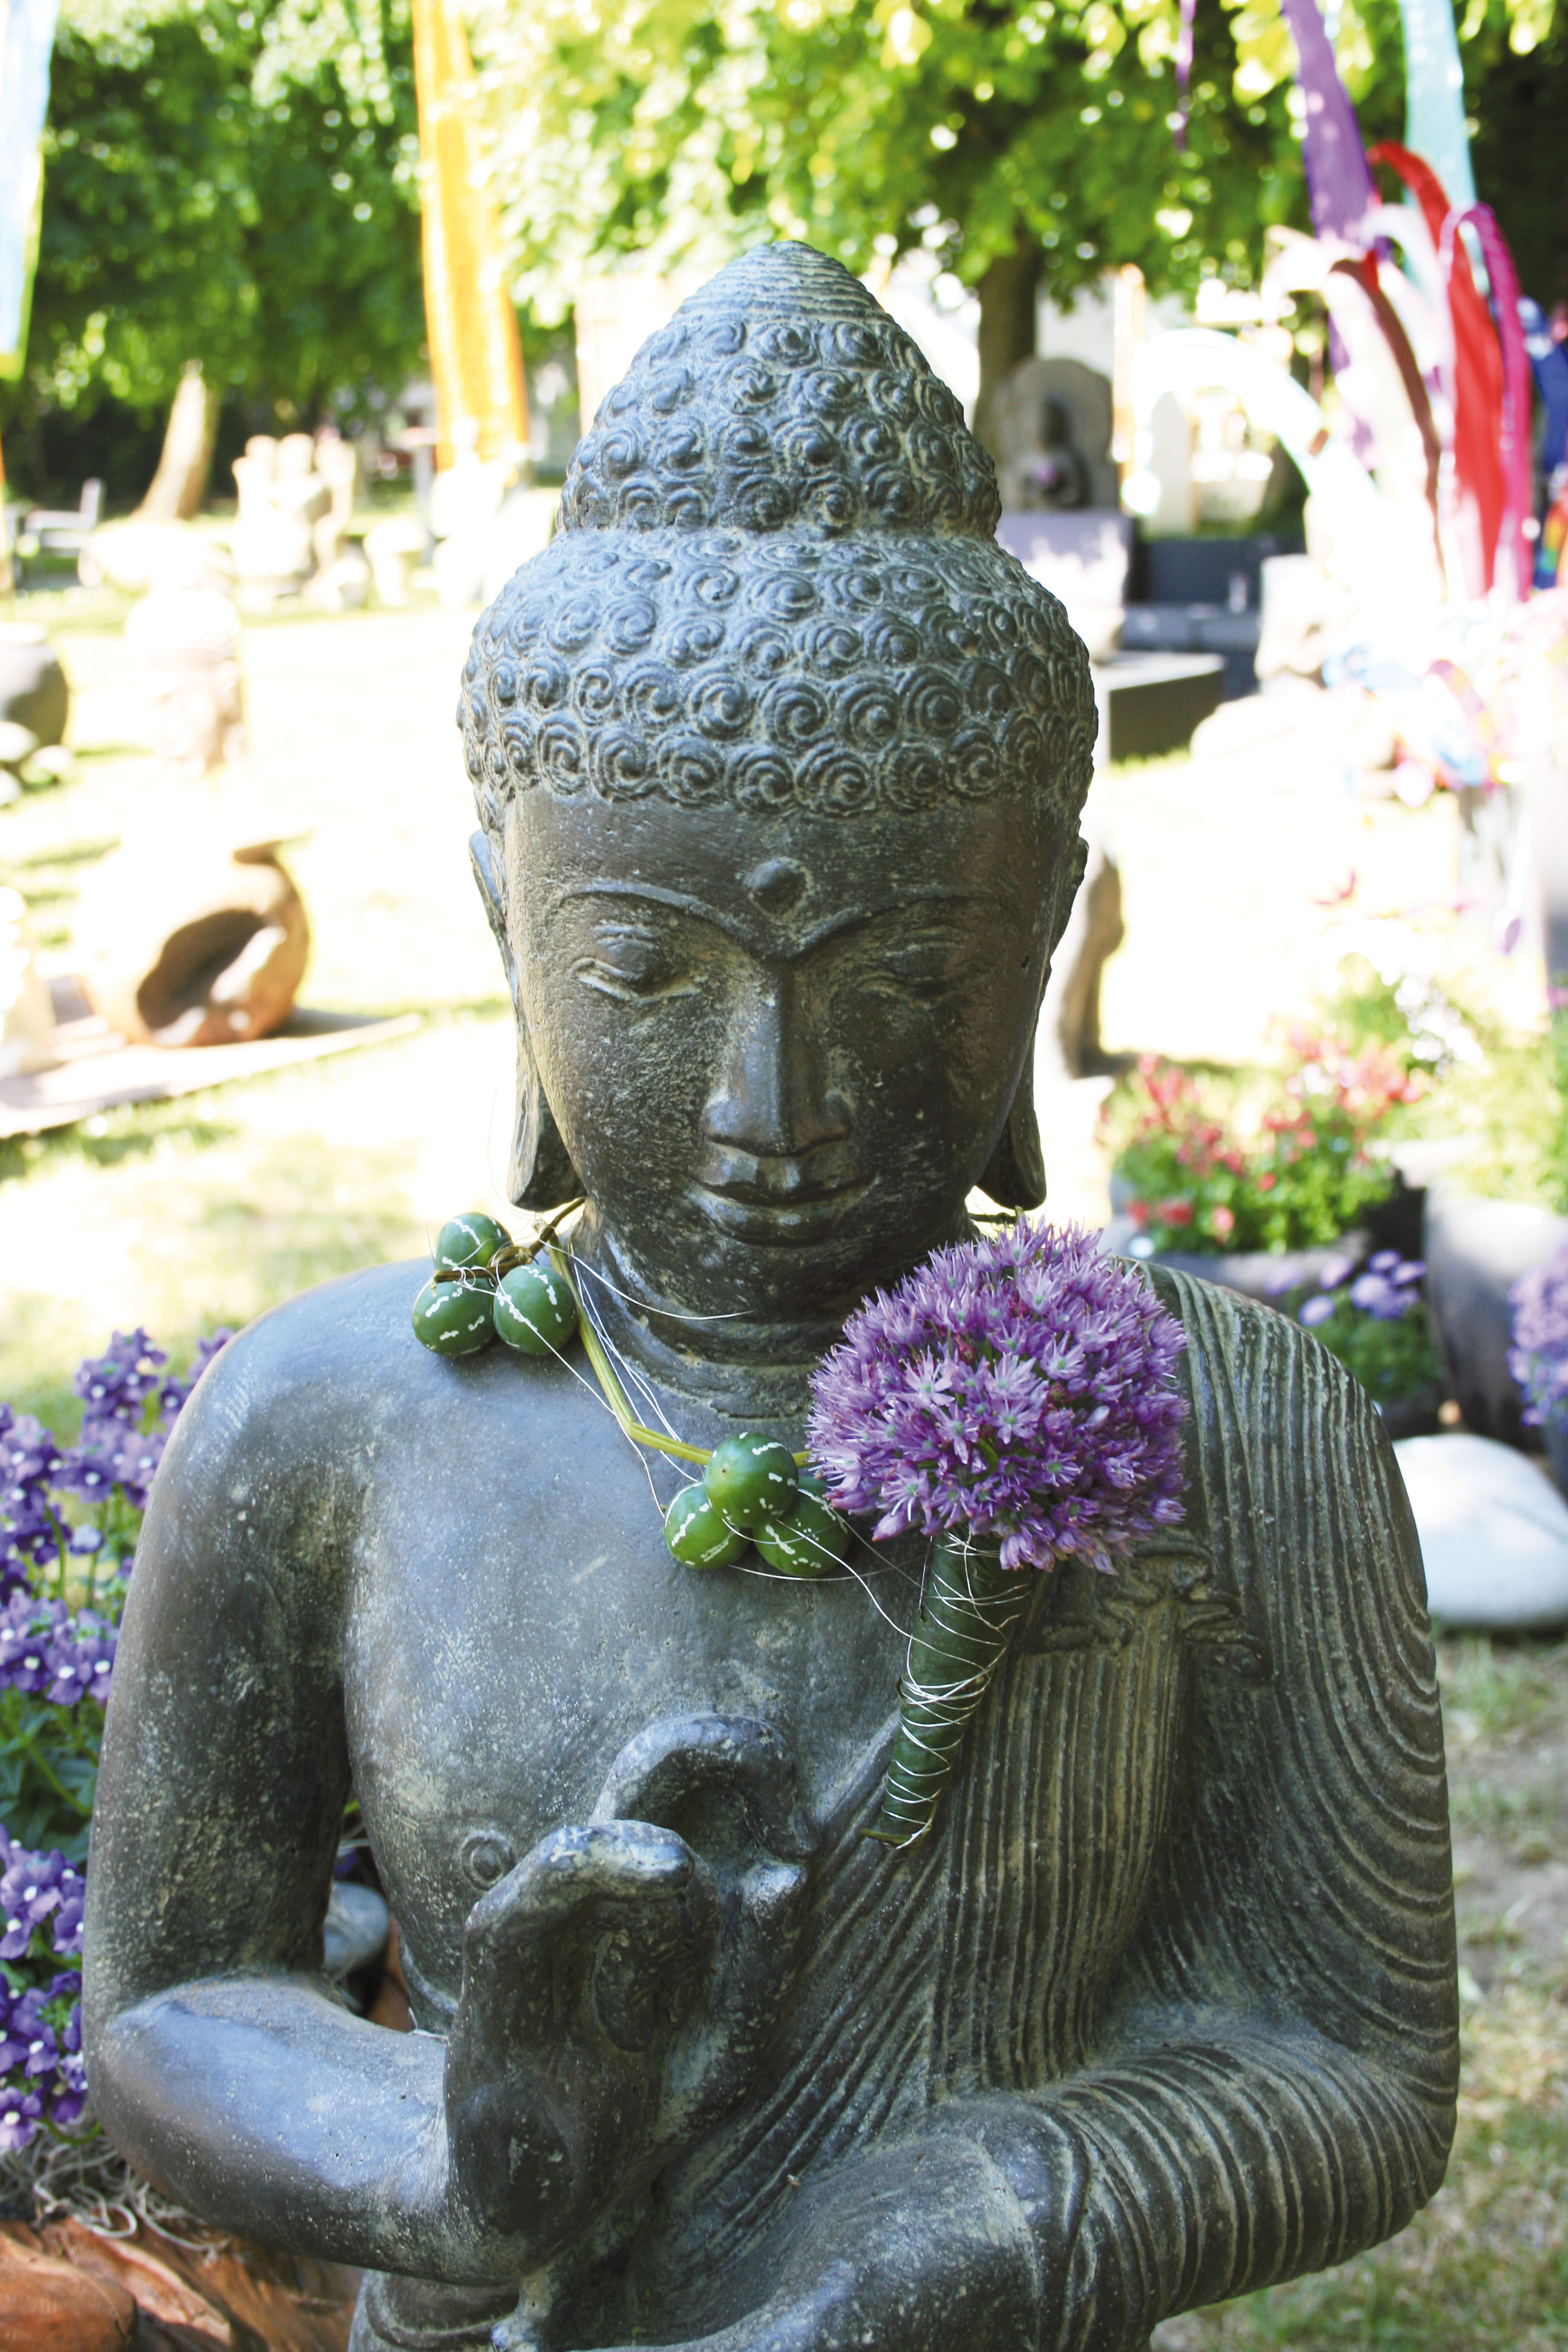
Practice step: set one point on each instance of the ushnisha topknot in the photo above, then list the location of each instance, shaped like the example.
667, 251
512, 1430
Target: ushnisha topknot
774, 584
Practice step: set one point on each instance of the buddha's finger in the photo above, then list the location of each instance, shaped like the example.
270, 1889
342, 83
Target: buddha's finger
742, 1761
573, 1882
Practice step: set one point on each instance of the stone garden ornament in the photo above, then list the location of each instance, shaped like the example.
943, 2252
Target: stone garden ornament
778, 759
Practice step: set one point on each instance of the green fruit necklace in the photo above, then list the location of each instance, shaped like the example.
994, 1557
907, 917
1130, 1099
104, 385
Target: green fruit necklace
752, 1490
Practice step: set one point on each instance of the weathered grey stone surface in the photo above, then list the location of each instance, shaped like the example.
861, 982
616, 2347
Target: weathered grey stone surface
778, 759
1494, 1534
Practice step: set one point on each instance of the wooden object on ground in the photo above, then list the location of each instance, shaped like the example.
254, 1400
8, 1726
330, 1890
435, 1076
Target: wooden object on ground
64, 2288
180, 483
48, 2305
191, 942
95, 1070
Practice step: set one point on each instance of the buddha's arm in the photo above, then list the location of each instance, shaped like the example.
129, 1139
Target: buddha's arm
218, 2058
1281, 2089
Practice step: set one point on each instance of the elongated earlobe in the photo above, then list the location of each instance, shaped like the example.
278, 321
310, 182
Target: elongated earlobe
1015, 1175
539, 1174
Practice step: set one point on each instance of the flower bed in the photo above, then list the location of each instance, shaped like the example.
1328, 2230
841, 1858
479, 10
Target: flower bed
1193, 1179
69, 1517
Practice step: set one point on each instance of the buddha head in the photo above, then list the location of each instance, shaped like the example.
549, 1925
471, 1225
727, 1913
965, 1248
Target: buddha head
778, 758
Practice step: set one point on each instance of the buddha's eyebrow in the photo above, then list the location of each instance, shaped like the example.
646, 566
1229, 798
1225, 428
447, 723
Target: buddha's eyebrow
747, 934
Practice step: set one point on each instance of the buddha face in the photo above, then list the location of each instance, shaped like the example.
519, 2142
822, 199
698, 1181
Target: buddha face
779, 1049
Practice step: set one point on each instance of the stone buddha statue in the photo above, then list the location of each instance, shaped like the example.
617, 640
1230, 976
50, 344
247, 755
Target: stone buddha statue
778, 761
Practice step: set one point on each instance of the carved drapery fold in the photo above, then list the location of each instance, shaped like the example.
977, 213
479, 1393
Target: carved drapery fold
1181, 1951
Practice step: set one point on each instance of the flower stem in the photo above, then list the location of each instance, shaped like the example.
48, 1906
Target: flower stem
968, 1614
24, 1741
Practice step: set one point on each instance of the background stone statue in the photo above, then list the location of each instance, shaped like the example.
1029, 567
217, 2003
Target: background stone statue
1051, 427
778, 759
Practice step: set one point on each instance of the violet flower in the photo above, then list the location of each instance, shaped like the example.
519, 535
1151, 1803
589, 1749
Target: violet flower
19, 2113
1538, 1356
1020, 1386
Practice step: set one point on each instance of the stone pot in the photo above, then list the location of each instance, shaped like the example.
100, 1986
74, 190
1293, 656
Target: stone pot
1556, 1436
1476, 1250
1416, 1415
33, 689
1267, 1275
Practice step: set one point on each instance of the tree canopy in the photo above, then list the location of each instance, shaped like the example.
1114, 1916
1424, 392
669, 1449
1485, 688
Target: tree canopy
233, 185
1035, 131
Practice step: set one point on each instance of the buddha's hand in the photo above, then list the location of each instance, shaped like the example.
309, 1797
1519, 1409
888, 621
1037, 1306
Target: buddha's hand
575, 1967
728, 1784
917, 2248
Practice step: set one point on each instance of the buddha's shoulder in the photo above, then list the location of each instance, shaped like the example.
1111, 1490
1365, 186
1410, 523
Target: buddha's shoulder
339, 1373
1253, 1370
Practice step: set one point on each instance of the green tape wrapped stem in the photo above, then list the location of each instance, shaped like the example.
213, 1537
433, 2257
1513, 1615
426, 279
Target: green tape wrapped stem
969, 1610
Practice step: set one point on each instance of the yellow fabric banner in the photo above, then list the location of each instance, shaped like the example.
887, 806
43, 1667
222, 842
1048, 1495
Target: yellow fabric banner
475, 356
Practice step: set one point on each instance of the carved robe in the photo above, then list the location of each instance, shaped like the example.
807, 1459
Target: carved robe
1180, 1951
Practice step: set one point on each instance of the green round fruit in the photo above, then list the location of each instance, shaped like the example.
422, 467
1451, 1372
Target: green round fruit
697, 1532
454, 1318
534, 1308
472, 1240
751, 1479
813, 1542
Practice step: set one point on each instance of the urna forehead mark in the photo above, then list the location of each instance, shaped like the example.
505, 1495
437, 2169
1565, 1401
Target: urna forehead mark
777, 884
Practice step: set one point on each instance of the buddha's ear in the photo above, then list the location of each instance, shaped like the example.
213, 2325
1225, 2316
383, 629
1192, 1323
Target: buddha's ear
493, 900
539, 1174
1015, 1175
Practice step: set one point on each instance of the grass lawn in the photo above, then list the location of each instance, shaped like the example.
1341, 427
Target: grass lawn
209, 1210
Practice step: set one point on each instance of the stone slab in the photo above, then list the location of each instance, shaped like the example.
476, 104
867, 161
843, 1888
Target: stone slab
1494, 1534
97, 1070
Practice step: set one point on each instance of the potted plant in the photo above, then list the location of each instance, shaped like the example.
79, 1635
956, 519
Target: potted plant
1538, 1358
1502, 1215
1375, 1322
1263, 1206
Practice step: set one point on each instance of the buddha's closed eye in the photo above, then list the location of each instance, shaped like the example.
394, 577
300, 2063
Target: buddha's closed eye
920, 970
635, 965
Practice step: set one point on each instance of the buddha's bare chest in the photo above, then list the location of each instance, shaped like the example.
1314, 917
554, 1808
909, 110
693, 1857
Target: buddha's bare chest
504, 1641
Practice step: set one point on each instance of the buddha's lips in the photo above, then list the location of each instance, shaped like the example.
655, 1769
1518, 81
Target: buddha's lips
780, 1206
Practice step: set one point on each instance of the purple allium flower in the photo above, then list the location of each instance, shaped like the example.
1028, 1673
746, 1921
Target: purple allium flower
1538, 1356
1021, 1387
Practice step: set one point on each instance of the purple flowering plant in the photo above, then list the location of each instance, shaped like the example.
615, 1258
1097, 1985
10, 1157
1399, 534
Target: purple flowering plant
1020, 1386
1373, 1318
70, 1519
1538, 1356
1015, 1400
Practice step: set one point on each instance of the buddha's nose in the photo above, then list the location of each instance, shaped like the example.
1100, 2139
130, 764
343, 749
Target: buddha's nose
772, 1097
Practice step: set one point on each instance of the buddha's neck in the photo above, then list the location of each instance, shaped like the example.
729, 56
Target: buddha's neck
728, 1368
736, 1368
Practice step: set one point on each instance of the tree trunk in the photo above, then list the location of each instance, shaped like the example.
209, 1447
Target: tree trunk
6, 581
180, 483
1008, 292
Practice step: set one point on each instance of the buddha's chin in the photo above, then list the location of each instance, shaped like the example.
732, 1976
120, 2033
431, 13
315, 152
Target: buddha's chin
812, 1221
